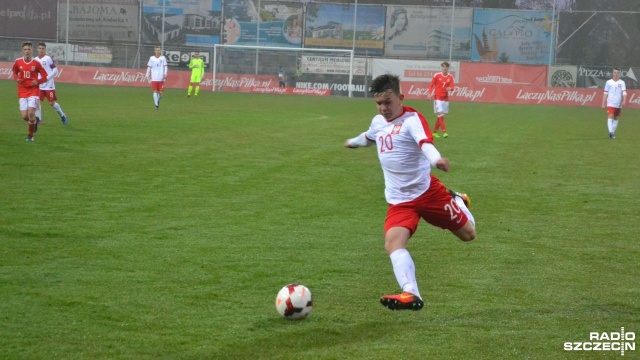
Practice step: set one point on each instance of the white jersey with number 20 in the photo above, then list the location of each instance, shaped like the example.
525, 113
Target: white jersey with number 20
398, 144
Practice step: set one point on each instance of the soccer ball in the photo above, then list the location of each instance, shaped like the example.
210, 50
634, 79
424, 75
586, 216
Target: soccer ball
294, 302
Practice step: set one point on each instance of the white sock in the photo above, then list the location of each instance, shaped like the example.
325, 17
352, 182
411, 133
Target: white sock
614, 125
58, 109
39, 113
610, 124
155, 98
405, 271
464, 209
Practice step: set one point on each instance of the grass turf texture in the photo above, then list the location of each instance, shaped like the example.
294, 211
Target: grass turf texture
142, 234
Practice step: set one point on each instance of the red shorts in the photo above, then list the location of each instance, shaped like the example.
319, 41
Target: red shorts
614, 111
49, 95
435, 206
157, 85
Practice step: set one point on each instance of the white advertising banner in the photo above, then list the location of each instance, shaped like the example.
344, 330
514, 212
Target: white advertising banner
90, 54
320, 64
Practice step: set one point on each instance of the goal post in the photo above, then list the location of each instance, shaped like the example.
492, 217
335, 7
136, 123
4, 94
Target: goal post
242, 68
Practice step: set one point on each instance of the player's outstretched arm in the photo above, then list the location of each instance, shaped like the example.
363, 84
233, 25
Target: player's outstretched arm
443, 164
358, 141
434, 158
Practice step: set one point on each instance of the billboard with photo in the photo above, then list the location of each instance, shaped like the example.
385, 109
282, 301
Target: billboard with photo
279, 23
185, 22
331, 26
100, 20
523, 37
420, 31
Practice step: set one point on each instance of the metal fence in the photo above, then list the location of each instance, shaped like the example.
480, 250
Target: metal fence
122, 33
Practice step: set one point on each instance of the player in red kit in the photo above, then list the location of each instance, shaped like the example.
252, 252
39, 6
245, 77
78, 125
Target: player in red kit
441, 85
25, 73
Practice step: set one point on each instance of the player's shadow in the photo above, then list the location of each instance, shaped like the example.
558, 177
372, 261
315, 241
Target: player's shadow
286, 337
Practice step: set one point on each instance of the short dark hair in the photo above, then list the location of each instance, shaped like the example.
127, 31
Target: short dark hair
445, 64
616, 68
42, 44
27, 43
384, 83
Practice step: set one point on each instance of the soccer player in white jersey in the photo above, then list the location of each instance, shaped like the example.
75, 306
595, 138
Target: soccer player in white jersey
48, 88
157, 68
615, 96
405, 149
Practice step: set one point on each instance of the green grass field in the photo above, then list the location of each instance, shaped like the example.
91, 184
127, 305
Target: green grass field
133, 233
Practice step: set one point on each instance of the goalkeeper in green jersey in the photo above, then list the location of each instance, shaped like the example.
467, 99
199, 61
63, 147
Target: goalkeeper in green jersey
197, 71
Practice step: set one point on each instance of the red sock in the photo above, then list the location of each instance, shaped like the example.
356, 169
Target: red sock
32, 127
440, 121
435, 129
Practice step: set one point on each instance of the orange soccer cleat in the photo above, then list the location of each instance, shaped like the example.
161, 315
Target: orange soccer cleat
465, 198
404, 301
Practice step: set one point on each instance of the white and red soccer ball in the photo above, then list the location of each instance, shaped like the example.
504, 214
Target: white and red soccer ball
294, 302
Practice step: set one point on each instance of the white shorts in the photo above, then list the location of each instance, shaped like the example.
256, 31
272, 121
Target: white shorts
30, 102
440, 106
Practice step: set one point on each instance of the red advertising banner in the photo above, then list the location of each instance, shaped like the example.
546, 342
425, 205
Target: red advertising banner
28, 19
470, 92
502, 74
177, 79
522, 94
